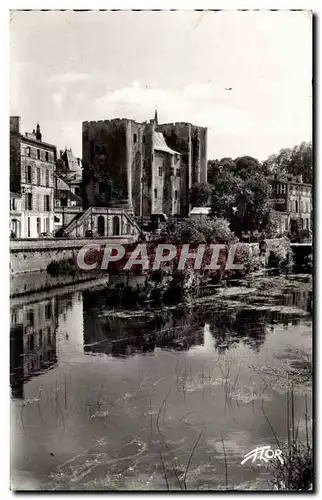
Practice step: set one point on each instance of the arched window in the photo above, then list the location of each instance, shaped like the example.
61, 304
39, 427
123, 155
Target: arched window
101, 225
116, 225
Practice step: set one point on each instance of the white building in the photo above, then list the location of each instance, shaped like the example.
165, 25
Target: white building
32, 166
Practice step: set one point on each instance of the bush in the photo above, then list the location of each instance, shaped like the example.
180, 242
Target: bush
280, 254
215, 230
65, 266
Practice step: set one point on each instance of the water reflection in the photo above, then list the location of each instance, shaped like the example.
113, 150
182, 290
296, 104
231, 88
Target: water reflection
122, 377
32, 342
86, 322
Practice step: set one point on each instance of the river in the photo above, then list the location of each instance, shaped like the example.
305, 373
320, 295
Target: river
104, 398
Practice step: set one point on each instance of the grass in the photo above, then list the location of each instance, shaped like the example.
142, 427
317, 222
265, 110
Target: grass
296, 473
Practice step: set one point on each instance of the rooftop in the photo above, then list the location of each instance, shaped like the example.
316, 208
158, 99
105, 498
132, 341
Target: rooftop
161, 145
200, 211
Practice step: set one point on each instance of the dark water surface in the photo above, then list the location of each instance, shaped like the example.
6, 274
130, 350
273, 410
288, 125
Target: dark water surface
108, 398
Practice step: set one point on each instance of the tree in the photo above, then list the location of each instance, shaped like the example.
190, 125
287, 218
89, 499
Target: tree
257, 201
199, 194
244, 202
216, 167
247, 166
296, 161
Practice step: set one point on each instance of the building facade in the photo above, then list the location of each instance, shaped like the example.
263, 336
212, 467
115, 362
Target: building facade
15, 215
32, 167
145, 168
292, 200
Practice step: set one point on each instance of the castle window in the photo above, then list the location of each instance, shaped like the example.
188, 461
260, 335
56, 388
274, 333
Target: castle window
38, 176
178, 172
143, 139
155, 193
160, 172
28, 151
171, 171
47, 178
38, 154
135, 137
47, 156
176, 195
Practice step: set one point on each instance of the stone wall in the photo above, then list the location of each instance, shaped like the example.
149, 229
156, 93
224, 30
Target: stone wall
32, 255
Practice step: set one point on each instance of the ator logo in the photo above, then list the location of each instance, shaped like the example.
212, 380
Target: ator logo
263, 454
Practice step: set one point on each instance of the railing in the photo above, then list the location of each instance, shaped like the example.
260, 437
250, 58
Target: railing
78, 221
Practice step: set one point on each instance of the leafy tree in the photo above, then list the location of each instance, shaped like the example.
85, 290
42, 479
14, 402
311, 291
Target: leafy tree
199, 194
216, 167
244, 202
246, 166
296, 161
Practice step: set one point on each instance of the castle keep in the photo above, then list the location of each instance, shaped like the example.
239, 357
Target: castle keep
146, 168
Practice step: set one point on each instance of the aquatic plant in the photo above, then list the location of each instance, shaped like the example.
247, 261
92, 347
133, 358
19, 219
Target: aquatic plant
296, 471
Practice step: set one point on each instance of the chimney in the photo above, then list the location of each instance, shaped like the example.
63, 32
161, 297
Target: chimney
15, 124
38, 133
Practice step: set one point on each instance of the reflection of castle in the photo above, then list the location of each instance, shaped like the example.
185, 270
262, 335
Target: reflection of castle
32, 342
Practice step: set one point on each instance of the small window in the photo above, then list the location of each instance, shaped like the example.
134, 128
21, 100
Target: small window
29, 174
160, 172
155, 193
135, 138
171, 171
13, 204
30, 318
47, 156
29, 201
178, 172
28, 226
28, 151
38, 154
47, 178
48, 311
176, 195
47, 203
143, 139
38, 176
31, 346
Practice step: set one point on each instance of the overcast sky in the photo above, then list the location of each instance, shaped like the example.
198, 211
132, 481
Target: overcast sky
67, 67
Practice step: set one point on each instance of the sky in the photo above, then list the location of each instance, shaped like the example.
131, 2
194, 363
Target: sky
68, 67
